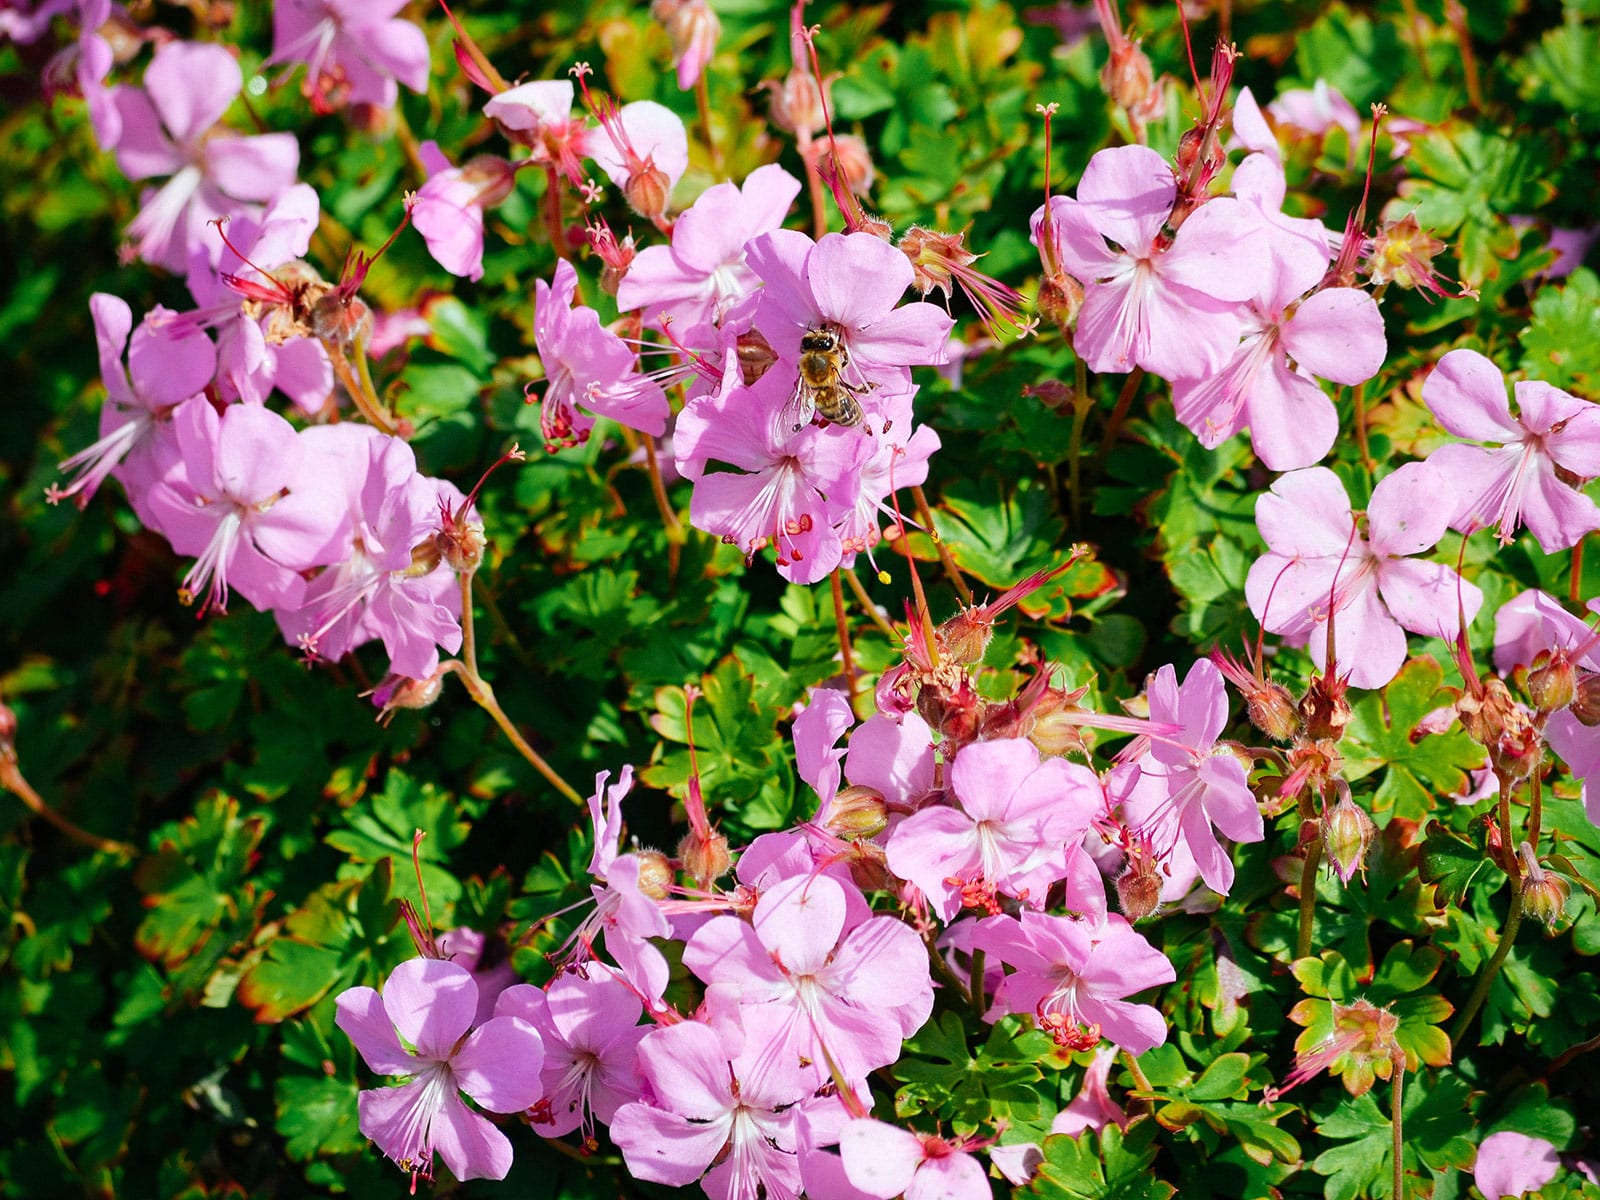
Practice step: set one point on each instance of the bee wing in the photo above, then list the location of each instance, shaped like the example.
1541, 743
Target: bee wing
796, 412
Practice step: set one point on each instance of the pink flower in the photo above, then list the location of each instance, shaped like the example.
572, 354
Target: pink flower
448, 211
1316, 111
725, 1112
585, 364
377, 591
252, 503
853, 283
1515, 483
589, 1024
247, 308
1165, 306
848, 990
1073, 976
539, 115
467, 948
1335, 333
787, 489
430, 1003
1513, 1164
693, 27
1193, 783
643, 148
1318, 565
884, 1161
166, 366
354, 50
816, 736
167, 131
697, 278
1015, 829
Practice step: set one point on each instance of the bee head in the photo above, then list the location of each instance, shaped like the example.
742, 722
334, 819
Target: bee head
819, 339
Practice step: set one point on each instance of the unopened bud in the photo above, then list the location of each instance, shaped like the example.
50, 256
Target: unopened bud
461, 544
857, 812
796, 103
1272, 710
755, 355
397, 692
1586, 700
965, 636
341, 320
1324, 708
1544, 896
1060, 298
1552, 684
493, 177
705, 859
1127, 76
1347, 833
647, 192
853, 157
655, 874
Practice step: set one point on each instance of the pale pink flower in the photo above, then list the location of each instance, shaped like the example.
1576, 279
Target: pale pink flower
701, 274
884, 1161
354, 50
167, 130
1513, 1164
589, 1024
1318, 565
1164, 305
448, 210
1074, 977
1015, 829
167, 365
1517, 482
1316, 111
430, 1003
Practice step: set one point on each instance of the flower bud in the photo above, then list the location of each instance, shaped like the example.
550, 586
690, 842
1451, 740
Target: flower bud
1553, 683
853, 157
964, 637
755, 355
1127, 76
796, 102
1544, 895
705, 859
397, 692
1324, 708
647, 192
461, 543
492, 175
655, 874
1586, 700
1271, 709
694, 29
857, 812
1347, 833
1060, 298
339, 319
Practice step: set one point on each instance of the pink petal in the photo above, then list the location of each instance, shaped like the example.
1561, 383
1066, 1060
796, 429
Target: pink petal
879, 1159
799, 921
166, 369
191, 85
952, 1176
257, 453
257, 168
431, 1003
366, 1023
986, 774
530, 105
397, 48
856, 279
1427, 598
1513, 1164
1576, 445
113, 320
1292, 422
498, 1065
1210, 253
1337, 334
779, 258
1369, 642
687, 1065
469, 1143
143, 150
663, 1147
1558, 515
1128, 191
1404, 515
1250, 130
1467, 393
1307, 513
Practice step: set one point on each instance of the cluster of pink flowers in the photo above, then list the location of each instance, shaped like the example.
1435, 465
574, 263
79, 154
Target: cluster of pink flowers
985, 848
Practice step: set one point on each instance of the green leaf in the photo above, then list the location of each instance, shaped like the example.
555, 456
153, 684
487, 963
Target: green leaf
1416, 769
1452, 863
1561, 344
1111, 1165
1000, 537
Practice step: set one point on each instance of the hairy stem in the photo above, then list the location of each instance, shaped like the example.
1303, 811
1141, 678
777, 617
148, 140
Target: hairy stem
1396, 1121
669, 515
553, 228
11, 779
1308, 881
480, 691
1119, 414
1491, 968
363, 397
1575, 582
1359, 396
702, 104
846, 653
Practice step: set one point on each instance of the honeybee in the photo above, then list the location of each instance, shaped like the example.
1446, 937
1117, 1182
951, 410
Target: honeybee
822, 388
